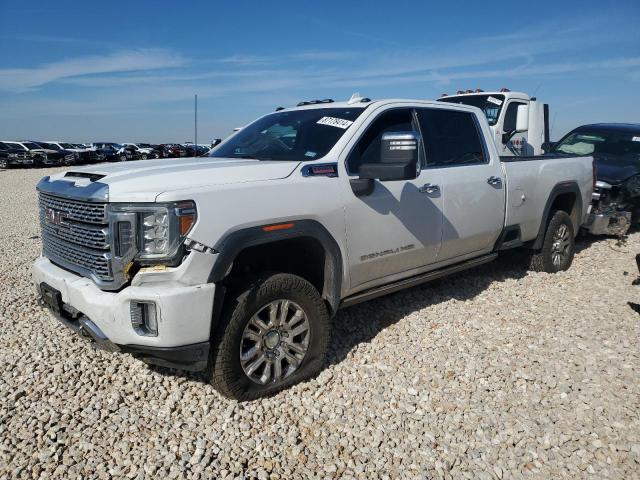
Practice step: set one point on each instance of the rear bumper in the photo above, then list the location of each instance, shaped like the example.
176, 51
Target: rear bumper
184, 314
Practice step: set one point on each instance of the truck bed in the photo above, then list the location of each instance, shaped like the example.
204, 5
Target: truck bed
530, 180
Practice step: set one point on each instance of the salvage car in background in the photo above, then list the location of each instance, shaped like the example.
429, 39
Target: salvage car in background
116, 151
42, 156
616, 150
14, 157
173, 150
83, 154
143, 151
196, 151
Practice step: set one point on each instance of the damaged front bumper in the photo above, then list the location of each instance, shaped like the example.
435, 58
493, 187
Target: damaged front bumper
609, 223
610, 214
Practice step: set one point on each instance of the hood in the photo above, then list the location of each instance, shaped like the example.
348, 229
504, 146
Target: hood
144, 180
615, 169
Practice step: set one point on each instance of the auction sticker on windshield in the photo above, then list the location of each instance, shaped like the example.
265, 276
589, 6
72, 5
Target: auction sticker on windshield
495, 101
335, 122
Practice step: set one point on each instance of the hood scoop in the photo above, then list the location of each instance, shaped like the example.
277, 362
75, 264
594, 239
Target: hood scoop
92, 177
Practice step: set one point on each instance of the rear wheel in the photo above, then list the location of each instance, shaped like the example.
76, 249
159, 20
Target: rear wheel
558, 247
144, 156
273, 334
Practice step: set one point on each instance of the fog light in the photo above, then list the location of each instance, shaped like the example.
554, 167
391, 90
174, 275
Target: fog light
144, 318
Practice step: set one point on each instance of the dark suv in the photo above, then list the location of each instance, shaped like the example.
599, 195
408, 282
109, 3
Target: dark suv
14, 157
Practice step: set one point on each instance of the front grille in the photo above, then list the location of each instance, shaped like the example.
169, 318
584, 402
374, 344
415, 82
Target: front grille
78, 238
88, 212
76, 258
80, 234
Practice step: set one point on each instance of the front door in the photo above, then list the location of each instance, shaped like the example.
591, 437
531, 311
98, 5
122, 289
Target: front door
398, 227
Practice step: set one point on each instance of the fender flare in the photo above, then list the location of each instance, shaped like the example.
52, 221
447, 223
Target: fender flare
231, 244
559, 189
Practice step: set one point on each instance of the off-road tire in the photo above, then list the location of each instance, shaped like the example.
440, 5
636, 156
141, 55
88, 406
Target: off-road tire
542, 260
227, 375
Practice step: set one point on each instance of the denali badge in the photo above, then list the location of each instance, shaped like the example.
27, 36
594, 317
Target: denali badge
53, 216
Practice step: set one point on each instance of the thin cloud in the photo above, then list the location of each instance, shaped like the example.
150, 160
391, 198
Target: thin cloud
25, 79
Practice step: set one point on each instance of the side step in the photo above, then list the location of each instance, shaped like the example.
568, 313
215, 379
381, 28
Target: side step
416, 280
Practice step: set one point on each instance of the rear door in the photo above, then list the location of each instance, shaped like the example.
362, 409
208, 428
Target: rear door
471, 180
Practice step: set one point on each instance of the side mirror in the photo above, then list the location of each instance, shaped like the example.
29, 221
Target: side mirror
548, 146
398, 158
522, 119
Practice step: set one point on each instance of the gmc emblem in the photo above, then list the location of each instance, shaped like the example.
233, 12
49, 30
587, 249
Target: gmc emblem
53, 216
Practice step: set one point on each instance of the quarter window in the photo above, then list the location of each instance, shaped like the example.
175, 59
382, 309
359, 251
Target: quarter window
450, 138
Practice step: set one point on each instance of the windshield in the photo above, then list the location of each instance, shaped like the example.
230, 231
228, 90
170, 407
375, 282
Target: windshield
611, 143
68, 145
297, 135
50, 146
31, 145
491, 105
143, 145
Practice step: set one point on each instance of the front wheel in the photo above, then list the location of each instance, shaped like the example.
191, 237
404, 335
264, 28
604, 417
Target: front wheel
558, 247
273, 334
3, 163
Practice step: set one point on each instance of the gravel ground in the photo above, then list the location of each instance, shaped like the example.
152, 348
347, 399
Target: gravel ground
494, 373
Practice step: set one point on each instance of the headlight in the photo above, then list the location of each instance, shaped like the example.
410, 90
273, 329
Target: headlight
154, 231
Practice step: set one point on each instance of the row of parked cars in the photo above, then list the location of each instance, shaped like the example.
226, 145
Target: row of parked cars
27, 153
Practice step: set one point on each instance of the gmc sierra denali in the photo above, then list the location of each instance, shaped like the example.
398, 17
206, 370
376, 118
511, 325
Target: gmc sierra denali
235, 263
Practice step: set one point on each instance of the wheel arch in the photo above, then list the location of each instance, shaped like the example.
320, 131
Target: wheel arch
564, 196
300, 235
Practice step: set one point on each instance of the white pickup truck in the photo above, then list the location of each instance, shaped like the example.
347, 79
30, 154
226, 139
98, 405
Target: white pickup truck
235, 263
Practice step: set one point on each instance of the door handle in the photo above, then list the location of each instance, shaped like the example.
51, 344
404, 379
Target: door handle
429, 189
494, 181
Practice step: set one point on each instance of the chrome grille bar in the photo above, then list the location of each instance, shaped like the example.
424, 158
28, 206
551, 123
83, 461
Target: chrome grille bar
80, 234
80, 211
82, 260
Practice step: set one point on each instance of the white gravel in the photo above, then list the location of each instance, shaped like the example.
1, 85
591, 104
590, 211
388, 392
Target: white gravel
494, 373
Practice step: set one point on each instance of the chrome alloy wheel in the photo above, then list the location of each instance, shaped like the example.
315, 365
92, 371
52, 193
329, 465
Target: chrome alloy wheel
274, 342
560, 246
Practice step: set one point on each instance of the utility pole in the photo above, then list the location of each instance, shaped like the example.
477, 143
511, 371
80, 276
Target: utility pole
195, 140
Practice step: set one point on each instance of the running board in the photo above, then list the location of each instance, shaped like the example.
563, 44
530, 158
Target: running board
416, 280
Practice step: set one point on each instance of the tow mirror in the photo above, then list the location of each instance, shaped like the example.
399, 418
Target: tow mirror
398, 158
522, 119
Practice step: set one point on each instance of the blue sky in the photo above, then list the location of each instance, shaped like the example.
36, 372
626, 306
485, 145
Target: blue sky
127, 71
